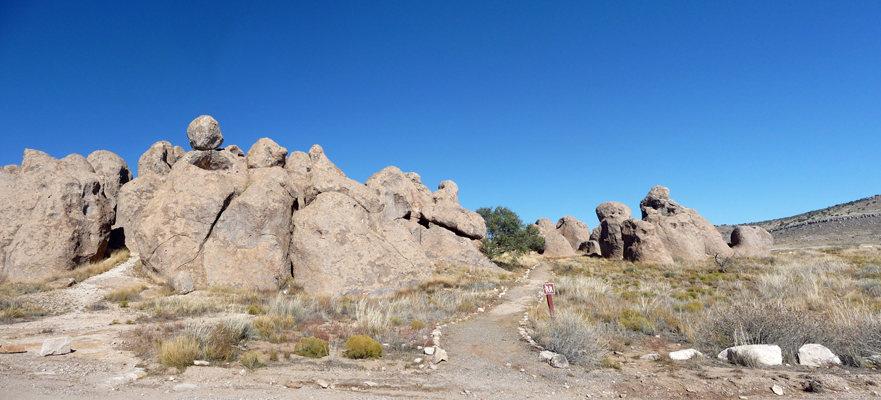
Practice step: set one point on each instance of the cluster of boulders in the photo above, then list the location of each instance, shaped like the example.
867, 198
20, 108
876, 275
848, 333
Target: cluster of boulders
811, 355
57, 214
666, 232
220, 216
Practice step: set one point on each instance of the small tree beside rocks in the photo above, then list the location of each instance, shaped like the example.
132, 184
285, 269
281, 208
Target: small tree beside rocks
505, 232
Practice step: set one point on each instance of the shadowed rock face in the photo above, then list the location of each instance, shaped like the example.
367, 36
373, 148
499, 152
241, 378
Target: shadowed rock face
556, 246
642, 244
54, 215
611, 214
751, 241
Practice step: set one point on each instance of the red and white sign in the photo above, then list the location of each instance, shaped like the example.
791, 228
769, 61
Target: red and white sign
548, 288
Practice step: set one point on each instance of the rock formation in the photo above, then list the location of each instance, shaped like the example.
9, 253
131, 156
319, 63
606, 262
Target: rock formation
556, 246
575, 231
642, 244
751, 241
54, 216
684, 232
204, 133
611, 214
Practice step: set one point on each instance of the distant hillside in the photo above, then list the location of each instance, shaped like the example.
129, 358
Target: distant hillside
849, 224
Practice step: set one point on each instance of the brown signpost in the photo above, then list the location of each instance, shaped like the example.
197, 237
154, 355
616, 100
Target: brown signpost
548, 289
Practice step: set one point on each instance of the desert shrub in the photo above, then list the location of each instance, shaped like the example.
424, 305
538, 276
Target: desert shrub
635, 321
571, 335
417, 324
360, 346
311, 347
251, 360
505, 232
180, 351
273, 355
96, 267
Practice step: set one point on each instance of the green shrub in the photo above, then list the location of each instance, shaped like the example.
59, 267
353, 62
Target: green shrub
251, 360
417, 324
505, 232
635, 321
311, 347
360, 346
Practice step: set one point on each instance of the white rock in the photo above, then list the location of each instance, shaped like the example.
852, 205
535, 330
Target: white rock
429, 350
480, 309
650, 356
546, 356
817, 355
201, 363
322, 383
439, 355
764, 354
417, 361
686, 354
56, 346
370, 384
777, 389
559, 361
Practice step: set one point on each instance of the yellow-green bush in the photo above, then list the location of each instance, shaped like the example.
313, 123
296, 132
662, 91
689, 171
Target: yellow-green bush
360, 346
635, 321
312, 347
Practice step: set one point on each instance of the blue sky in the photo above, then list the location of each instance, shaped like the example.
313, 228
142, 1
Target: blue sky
746, 110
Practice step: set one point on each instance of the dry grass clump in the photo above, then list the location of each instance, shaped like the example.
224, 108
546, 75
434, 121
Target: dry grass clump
178, 345
572, 335
126, 294
175, 307
96, 267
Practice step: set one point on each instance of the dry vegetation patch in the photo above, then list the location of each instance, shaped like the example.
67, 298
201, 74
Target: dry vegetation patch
828, 297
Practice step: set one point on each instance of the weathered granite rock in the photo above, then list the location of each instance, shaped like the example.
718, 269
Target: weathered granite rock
751, 241
266, 153
131, 200
575, 231
442, 245
686, 234
454, 217
611, 214
682, 355
204, 133
817, 355
113, 173
556, 246
157, 160
249, 245
763, 354
54, 216
338, 249
235, 150
642, 244
176, 222
404, 196
56, 346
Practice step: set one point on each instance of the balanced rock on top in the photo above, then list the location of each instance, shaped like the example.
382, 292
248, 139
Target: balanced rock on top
204, 133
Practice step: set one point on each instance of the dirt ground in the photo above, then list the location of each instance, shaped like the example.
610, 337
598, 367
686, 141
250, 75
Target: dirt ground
487, 360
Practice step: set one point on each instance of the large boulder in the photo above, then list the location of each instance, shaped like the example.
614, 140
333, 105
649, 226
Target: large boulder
817, 355
442, 245
556, 246
684, 232
642, 244
249, 245
575, 231
132, 199
157, 160
113, 172
454, 217
176, 222
266, 153
404, 195
751, 241
760, 354
54, 216
204, 133
611, 214
338, 249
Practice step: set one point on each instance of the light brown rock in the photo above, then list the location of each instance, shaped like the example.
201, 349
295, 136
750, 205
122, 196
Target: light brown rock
685, 233
204, 133
175, 224
556, 246
113, 172
611, 214
235, 150
575, 231
266, 153
751, 241
131, 200
403, 196
642, 244
457, 219
442, 245
338, 249
249, 245
447, 192
157, 160
54, 216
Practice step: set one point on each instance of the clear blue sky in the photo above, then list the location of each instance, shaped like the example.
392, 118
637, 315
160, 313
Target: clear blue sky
746, 110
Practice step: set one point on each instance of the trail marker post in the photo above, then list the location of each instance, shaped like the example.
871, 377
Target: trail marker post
548, 289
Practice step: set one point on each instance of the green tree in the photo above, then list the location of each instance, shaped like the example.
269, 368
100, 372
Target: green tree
505, 232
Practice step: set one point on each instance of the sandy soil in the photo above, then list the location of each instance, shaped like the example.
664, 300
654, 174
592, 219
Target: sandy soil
487, 359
